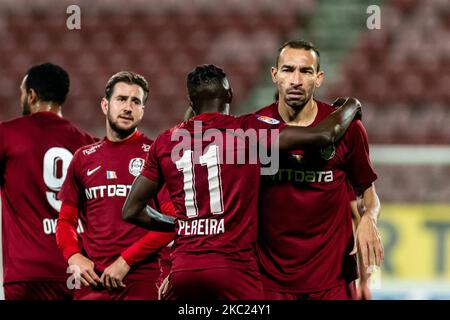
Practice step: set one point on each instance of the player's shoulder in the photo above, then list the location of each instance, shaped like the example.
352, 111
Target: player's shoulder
357, 126
163, 139
166, 134
81, 132
258, 121
325, 107
49, 121
269, 111
90, 149
15, 123
145, 139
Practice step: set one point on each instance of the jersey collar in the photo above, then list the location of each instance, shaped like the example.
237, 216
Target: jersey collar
128, 140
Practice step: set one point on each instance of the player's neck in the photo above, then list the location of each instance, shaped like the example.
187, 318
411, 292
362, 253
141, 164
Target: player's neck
213, 105
115, 136
303, 116
48, 107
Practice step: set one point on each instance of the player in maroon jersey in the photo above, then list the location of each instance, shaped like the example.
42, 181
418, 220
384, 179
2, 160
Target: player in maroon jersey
214, 195
35, 151
305, 238
114, 260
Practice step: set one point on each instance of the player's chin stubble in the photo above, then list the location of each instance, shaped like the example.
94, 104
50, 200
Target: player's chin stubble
122, 132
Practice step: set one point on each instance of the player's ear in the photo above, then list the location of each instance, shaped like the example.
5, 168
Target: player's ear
104, 104
229, 95
274, 72
319, 78
189, 113
191, 110
32, 97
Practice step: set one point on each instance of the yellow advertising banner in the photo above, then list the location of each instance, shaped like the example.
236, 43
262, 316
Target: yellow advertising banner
416, 241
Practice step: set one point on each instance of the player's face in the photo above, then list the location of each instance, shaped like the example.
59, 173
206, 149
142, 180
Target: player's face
26, 109
296, 76
125, 108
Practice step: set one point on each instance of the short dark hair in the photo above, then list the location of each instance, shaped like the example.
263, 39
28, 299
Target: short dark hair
299, 44
127, 77
203, 79
49, 81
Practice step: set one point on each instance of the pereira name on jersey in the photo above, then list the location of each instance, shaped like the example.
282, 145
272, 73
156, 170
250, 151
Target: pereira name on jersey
201, 227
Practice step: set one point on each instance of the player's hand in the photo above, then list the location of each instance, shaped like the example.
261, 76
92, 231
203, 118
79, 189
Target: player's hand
162, 290
113, 275
87, 275
368, 242
339, 102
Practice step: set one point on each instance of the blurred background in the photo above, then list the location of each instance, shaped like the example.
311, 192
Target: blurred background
400, 72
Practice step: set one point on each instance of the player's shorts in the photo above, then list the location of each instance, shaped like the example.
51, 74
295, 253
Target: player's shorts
343, 292
215, 284
134, 290
38, 290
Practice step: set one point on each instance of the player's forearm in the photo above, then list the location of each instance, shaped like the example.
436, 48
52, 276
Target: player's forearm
325, 133
134, 208
356, 217
337, 123
135, 215
149, 244
293, 137
371, 203
150, 219
160, 217
66, 231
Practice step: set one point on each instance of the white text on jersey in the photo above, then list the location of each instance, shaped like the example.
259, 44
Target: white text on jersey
302, 176
112, 190
49, 226
201, 227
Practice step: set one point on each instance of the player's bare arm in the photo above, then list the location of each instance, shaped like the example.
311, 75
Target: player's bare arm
363, 289
135, 207
326, 132
367, 237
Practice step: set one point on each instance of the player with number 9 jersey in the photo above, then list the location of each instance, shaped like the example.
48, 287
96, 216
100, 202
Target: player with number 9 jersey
35, 152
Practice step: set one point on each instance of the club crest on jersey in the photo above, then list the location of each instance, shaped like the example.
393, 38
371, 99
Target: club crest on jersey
145, 147
268, 120
135, 166
328, 152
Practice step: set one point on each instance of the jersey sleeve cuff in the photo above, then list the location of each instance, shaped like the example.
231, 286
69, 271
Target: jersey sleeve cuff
68, 252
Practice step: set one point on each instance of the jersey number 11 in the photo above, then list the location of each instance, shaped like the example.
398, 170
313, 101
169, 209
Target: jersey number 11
210, 159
